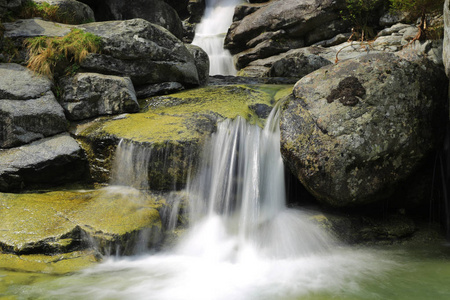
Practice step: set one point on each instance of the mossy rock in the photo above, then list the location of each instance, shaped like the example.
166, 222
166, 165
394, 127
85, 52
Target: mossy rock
65, 221
175, 126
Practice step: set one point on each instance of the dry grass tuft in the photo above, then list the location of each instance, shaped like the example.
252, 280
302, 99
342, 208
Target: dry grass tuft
47, 53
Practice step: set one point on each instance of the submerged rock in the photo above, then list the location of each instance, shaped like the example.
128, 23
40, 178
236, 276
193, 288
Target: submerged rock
356, 129
88, 95
61, 222
48, 161
28, 108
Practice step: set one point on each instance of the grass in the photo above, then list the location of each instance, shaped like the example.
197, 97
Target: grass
48, 55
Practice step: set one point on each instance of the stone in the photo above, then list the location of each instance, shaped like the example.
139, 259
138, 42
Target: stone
173, 128
201, 62
158, 89
355, 130
145, 52
35, 27
297, 18
28, 108
446, 47
49, 161
88, 95
73, 12
10, 5
294, 63
89, 220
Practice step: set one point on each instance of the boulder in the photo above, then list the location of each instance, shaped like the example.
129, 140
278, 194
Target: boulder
154, 11
158, 89
88, 95
169, 131
145, 52
122, 221
201, 62
354, 130
305, 22
446, 49
72, 11
49, 161
294, 63
28, 108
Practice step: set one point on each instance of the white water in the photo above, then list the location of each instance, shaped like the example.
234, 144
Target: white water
243, 242
210, 34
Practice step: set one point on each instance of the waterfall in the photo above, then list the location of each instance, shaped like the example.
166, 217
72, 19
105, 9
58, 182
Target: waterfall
239, 196
243, 243
210, 34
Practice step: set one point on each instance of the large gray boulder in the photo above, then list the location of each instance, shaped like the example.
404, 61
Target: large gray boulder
51, 161
88, 95
72, 11
446, 50
354, 130
28, 108
295, 22
145, 52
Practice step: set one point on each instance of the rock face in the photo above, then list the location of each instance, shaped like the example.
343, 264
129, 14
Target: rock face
88, 95
74, 12
354, 130
50, 161
145, 52
28, 108
446, 50
283, 24
154, 11
9, 5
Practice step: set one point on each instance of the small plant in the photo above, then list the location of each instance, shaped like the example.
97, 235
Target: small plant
45, 11
47, 54
360, 13
418, 9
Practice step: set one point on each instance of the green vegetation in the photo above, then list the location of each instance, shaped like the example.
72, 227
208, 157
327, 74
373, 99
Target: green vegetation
419, 9
50, 55
45, 11
360, 14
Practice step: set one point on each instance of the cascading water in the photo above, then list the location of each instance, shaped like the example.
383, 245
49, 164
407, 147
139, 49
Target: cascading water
243, 243
210, 34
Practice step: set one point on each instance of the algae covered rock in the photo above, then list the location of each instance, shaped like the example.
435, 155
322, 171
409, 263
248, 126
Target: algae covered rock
174, 128
353, 131
88, 95
66, 221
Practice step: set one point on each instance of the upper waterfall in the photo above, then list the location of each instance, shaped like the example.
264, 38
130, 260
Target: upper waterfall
210, 33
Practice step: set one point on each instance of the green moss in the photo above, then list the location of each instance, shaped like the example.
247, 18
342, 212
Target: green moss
56, 221
181, 117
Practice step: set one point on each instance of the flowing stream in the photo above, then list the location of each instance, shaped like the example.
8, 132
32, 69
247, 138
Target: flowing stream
210, 34
244, 243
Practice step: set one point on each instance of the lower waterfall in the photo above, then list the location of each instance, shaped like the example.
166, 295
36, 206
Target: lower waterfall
242, 242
